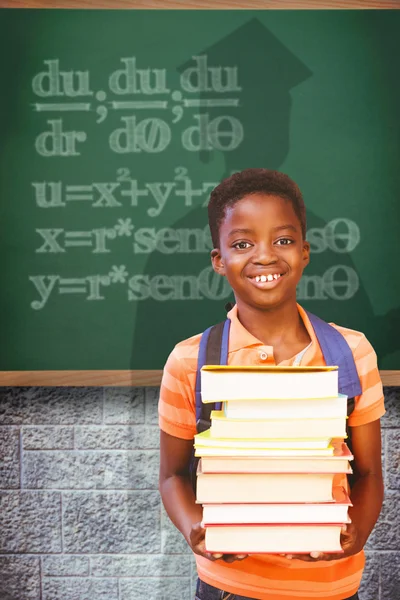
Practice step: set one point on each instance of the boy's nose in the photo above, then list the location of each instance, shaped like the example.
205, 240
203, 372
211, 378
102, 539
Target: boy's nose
265, 255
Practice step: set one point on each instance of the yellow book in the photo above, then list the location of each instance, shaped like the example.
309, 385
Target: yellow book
206, 439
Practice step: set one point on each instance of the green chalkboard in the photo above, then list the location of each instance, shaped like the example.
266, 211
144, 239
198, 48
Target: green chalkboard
115, 126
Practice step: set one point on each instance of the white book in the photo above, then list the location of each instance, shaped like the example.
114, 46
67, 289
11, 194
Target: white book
246, 488
252, 453
279, 408
323, 512
288, 539
223, 427
220, 383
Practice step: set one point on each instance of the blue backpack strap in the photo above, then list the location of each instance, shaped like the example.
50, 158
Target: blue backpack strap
336, 351
213, 350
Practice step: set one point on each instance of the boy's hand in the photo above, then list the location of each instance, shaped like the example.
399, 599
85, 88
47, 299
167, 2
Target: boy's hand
348, 541
197, 543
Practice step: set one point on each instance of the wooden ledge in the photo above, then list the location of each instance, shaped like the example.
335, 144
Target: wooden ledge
112, 378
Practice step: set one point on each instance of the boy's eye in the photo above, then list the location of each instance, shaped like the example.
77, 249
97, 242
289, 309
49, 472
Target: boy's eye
241, 245
284, 241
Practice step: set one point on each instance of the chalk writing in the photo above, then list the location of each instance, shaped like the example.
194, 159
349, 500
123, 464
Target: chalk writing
63, 91
126, 190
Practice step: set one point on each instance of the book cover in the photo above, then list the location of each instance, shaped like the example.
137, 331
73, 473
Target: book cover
226, 382
247, 488
286, 428
337, 462
323, 512
282, 408
206, 439
283, 538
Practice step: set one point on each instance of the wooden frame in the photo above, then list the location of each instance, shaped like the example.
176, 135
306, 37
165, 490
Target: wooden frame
153, 378
204, 4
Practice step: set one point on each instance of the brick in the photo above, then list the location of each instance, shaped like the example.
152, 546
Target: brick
19, 578
61, 566
9, 457
172, 541
47, 438
124, 405
30, 522
51, 405
392, 405
111, 522
369, 588
393, 459
193, 575
386, 533
152, 588
157, 565
151, 399
116, 437
69, 588
390, 576
91, 470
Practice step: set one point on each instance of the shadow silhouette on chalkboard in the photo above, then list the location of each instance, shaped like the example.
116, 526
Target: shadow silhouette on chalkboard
264, 111
267, 71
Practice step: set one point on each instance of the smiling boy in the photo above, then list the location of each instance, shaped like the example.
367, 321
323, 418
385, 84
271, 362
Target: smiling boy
258, 226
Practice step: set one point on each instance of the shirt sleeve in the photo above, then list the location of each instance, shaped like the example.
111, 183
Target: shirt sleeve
176, 407
369, 406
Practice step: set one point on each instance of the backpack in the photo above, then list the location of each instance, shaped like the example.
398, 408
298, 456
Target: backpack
213, 350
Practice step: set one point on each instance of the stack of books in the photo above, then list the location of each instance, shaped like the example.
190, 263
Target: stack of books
270, 462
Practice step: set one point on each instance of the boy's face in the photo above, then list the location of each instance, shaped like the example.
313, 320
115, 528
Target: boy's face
262, 252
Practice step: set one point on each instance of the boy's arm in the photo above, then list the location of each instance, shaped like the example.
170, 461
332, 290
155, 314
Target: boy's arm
367, 492
175, 485
178, 496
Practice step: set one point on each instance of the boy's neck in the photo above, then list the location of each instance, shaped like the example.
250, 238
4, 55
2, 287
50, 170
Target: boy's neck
281, 327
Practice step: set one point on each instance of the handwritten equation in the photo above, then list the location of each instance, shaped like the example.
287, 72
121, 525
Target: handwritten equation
339, 282
126, 191
138, 92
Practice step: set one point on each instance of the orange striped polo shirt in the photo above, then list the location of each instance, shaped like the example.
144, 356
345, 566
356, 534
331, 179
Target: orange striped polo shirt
270, 577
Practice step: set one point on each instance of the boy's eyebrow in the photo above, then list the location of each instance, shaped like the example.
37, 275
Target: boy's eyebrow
235, 231
292, 227
279, 228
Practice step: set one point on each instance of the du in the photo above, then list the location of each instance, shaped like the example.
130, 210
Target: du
131, 80
202, 78
54, 82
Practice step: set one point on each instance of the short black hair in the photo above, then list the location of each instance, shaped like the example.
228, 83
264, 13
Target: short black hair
252, 181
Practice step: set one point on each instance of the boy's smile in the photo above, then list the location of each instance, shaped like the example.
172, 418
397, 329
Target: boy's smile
262, 252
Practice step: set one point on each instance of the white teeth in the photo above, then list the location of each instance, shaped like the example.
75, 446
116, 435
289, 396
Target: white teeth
264, 278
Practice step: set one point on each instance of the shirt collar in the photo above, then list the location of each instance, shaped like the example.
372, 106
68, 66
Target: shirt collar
239, 337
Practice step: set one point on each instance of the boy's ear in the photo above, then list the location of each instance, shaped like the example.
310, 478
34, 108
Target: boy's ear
217, 261
306, 253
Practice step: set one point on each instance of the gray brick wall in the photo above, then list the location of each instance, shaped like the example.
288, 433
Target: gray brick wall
80, 514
